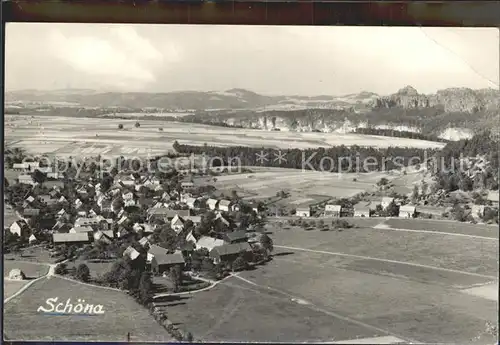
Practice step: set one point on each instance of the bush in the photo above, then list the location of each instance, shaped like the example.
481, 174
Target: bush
239, 264
83, 273
61, 269
120, 126
137, 124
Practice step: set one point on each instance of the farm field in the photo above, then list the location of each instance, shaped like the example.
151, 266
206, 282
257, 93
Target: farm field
478, 256
77, 136
233, 312
444, 226
306, 187
429, 288
122, 315
10, 287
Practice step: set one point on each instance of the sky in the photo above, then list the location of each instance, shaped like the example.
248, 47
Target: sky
271, 60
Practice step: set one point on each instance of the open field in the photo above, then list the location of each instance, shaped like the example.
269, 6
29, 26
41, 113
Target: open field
31, 270
77, 136
230, 312
10, 287
478, 256
34, 254
304, 186
429, 288
96, 268
122, 315
444, 226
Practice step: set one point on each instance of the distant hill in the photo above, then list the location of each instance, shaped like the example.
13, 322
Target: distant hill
453, 113
453, 100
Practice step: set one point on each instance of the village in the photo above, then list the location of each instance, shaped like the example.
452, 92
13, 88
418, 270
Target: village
156, 234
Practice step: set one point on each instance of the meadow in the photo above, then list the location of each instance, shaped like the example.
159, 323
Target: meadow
412, 286
122, 315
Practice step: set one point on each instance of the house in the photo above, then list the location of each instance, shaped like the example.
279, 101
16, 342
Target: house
493, 197
229, 252
187, 185
30, 199
155, 250
195, 219
19, 166
61, 212
192, 203
53, 194
56, 185
54, 175
303, 211
477, 211
25, 179
144, 241
131, 253
61, 226
208, 242
163, 262
106, 206
92, 213
81, 229
212, 204
78, 203
123, 220
121, 213
123, 232
220, 218
62, 199
31, 212
224, 205
128, 202
146, 228
128, 196
407, 211
235, 207
166, 214
20, 228
235, 236
103, 236
68, 239
190, 237
177, 224
83, 221
386, 202
362, 212
32, 239
333, 210
82, 213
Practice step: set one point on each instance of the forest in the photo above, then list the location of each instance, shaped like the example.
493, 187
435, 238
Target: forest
333, 159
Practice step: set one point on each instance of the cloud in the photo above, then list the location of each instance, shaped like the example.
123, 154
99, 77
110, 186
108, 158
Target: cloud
125, 59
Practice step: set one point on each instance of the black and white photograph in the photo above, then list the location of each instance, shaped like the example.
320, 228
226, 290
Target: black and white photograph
218, 183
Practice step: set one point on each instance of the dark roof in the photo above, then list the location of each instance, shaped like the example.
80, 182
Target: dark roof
230, 249
157, 250
235, 235
169, 259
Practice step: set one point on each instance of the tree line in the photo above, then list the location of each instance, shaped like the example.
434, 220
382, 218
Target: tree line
333, 159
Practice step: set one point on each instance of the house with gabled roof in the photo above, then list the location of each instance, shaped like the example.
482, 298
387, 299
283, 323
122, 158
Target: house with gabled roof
32, 239
177, 224
25, 179
61, 212
84, 221
477, 211
386, 202
235, 236
69, 238
303, 211
104, 236
30, 199
155, 250
225, 205
131, 253
78, 229
163, 262
208, 242
229, 252
212, 204
362, 211
55, 185
333, 210
53, 194
192, 203
195, 219
144, 242
62, 199
20, 227
78, 203
129, 203
407, 211
123, 220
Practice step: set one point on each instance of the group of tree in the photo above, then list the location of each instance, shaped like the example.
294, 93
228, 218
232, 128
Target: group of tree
398, 134
333, 159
